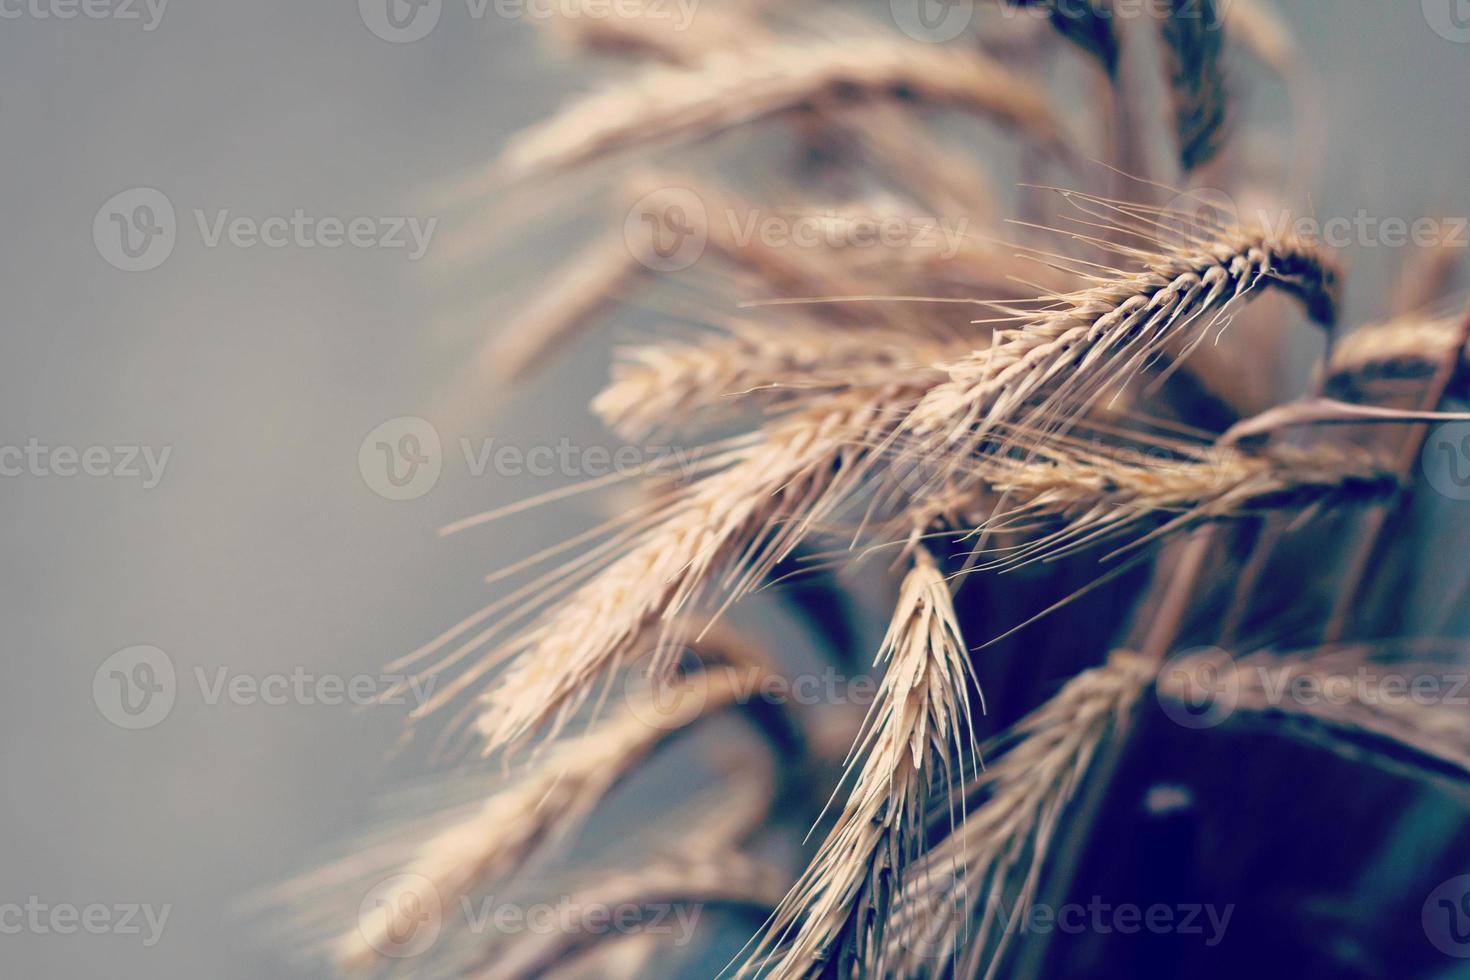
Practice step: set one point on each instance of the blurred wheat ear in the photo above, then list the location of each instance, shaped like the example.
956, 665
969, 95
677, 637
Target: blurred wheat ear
1037, 446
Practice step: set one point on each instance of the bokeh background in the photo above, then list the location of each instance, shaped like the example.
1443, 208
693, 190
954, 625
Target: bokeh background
263, 550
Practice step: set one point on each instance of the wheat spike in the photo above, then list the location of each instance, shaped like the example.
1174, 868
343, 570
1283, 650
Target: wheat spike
991, 864
919, 727
1408, 347
728, 89
766, 364
544, 805
747, 515
1353, 704
1093, 340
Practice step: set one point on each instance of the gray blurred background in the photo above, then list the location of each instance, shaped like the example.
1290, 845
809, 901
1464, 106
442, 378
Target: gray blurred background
263, 550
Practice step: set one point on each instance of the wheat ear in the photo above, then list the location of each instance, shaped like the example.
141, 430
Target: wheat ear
751, 363
919, 728
727, 881
748, 515
545, 805
1095, 339
991, 864
1348, 708
1099, 495
1408, 347
728, 89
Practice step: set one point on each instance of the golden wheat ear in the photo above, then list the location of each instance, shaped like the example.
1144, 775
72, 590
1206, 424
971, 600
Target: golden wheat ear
1057, 363
918, 732
1194, 43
